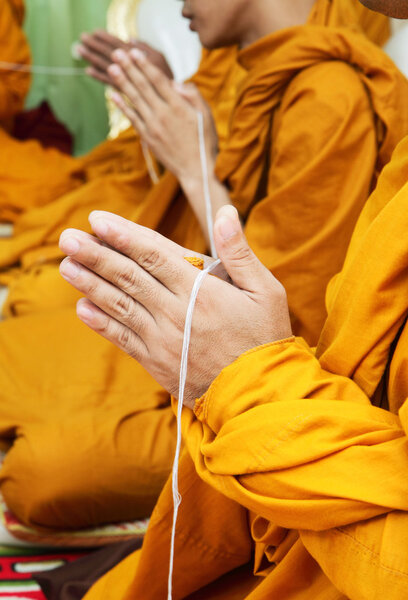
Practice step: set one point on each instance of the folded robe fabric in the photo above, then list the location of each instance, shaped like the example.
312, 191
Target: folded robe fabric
341, 120
300, 446
329, 464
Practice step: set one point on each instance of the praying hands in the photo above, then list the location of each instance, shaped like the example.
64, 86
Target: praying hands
97, 48
138, 284
167, 116
163, 112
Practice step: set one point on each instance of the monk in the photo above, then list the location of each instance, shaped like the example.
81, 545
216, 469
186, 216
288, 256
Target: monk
292, 136
294, 476
264, 163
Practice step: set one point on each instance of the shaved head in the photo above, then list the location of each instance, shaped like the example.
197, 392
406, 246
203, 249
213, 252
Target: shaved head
392, 8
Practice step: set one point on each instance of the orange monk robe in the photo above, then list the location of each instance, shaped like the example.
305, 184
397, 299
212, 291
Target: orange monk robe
318, 76
299, 163
315, 503
26, 168
377, 27
14, 84
68, 497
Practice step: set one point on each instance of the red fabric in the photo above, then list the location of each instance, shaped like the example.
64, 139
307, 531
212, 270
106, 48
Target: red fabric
16, 577
40, 124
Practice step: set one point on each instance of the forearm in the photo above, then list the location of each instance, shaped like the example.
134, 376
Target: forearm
296, 444
193, 187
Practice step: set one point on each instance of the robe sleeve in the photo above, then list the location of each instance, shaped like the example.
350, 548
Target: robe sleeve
297, 445
321, 170
14, 85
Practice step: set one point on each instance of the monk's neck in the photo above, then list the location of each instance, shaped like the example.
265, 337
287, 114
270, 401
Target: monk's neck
268, 16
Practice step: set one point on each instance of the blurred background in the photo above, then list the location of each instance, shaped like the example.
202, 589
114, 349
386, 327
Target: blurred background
53, 28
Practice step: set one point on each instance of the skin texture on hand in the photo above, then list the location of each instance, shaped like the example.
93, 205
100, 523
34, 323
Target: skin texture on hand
138, 284
97, 49
163, 112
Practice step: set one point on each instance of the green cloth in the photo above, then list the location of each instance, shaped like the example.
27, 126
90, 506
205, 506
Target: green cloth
52, 26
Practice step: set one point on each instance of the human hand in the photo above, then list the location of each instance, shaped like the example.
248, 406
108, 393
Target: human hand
97, 48
138, 287
164, 113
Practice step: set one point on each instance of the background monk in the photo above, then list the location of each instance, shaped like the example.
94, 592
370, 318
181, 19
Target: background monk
294, 475
286, 165
264, 164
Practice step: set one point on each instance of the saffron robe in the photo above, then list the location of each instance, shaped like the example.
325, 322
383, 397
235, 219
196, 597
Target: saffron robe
266, 162
26, 168
308, 87
294, 484
14, 84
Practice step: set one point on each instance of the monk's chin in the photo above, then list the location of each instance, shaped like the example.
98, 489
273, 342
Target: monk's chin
392, 8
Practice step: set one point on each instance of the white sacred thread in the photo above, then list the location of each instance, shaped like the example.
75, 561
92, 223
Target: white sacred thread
149, 163
182, 382
186, 345
206, 186
41, 69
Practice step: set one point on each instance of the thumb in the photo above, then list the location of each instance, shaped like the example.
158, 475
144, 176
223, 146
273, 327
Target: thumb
245, 269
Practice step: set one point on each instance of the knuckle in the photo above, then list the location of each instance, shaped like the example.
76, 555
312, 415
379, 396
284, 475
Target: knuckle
122, 243
242, 253
127, 280
91, 287
152, 260
94, 260
124, 337
122, 307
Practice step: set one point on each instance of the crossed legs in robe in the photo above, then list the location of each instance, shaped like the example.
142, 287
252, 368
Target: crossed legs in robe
89, 434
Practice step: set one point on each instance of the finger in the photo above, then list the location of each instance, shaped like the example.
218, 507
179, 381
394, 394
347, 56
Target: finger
122, 272
143, 87
155, 57
151, 100
160, 83
133, 116
95, 59
122, 82
112, 330
97, 46
245, 269
109, 40
157, 255
110, 299
99, 76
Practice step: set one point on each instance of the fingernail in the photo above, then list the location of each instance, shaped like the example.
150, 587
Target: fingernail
119, 55
69, 245
84, 311
227, 228
69, 269
114, 70
138, 54
117, 98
